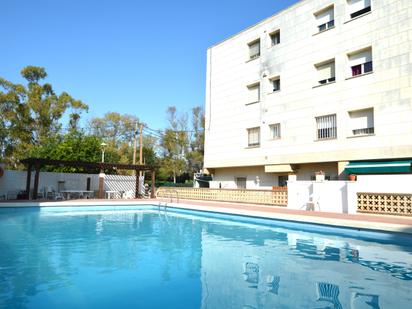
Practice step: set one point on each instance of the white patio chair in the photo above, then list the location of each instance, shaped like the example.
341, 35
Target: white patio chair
313, 202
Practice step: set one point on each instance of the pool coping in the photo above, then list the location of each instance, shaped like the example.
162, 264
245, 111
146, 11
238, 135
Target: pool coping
355, 221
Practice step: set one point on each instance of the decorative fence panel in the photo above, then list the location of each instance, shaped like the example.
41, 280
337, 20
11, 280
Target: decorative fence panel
278, 196
123, 183
385, 203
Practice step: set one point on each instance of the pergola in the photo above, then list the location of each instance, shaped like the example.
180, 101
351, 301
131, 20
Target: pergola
38, 163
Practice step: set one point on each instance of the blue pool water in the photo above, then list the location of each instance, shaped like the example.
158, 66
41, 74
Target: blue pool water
95, 257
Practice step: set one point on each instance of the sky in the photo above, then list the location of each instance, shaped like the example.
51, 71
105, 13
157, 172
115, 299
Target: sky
126, 56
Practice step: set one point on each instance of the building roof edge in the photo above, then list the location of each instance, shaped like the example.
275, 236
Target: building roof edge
293, 6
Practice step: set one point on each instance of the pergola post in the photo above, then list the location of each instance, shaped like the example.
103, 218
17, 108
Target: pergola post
101, 185
153, 191
28, 181
37, 163
136, 194
36, 181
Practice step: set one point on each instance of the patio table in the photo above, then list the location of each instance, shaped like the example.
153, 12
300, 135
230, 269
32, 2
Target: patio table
67, 194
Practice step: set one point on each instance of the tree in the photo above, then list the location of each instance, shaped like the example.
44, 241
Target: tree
196, 153
118, 131
114, 128
73, 146
175, 144
31, 115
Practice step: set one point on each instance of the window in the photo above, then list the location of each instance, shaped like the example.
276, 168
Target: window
254, 49
358, 7
326, 127
275, 38
241, 182
282, 181
253, 135
360, 62
325, 19
253, 93
275, 131
275, 81
361, 122
326, 72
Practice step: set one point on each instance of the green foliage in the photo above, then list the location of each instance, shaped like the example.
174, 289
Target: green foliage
114, 128
31, 125
30, 115
74, 146
182, 146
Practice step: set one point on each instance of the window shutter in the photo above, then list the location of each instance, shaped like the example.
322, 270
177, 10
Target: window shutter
326, 71
325, 16
357, 5
360, 58
254, 93
254, 49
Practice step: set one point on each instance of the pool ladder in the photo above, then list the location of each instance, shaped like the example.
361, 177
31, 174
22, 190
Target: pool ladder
168, 195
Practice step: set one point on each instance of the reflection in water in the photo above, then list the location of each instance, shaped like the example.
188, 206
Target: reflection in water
166, 260
252, 274
272, 283
329, 293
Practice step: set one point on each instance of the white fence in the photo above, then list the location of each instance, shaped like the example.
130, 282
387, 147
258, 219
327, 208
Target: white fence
15, 181
126, 184
342, 196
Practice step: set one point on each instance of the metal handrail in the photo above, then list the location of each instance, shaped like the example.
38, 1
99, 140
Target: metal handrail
170, 196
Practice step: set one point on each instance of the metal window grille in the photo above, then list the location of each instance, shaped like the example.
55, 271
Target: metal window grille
326, 127
327, 25
364, 131
275, 130
254, 137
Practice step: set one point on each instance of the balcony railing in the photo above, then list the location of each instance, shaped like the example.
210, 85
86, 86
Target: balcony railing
328, 25
362, 68
364, 131
327, 81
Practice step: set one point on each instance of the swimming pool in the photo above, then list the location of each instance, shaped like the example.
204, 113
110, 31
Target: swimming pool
146, 257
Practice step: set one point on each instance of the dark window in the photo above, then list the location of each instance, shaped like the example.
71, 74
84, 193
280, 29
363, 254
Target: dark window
275, 38
241, 182
367, 67
276, 84
282, 181
356, 70
360, 12
362, 68
322, 27
329, 24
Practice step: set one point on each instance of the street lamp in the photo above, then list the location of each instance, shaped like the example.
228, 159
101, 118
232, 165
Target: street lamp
103, 146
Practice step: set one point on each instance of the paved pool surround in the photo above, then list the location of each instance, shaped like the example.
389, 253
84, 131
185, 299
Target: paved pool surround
359, 221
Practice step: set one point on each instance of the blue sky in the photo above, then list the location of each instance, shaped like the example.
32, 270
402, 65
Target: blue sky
136, 57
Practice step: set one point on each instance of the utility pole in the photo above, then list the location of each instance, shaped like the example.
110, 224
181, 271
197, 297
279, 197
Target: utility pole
141, 146
135, 143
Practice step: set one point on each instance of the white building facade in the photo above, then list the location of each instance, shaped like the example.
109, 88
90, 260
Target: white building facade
324, 85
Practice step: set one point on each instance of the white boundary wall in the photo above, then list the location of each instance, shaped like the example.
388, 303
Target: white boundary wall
340, 196
13, 181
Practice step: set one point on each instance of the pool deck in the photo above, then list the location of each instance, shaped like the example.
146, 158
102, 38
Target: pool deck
402, 224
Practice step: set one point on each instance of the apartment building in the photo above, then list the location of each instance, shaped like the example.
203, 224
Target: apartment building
322, 86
